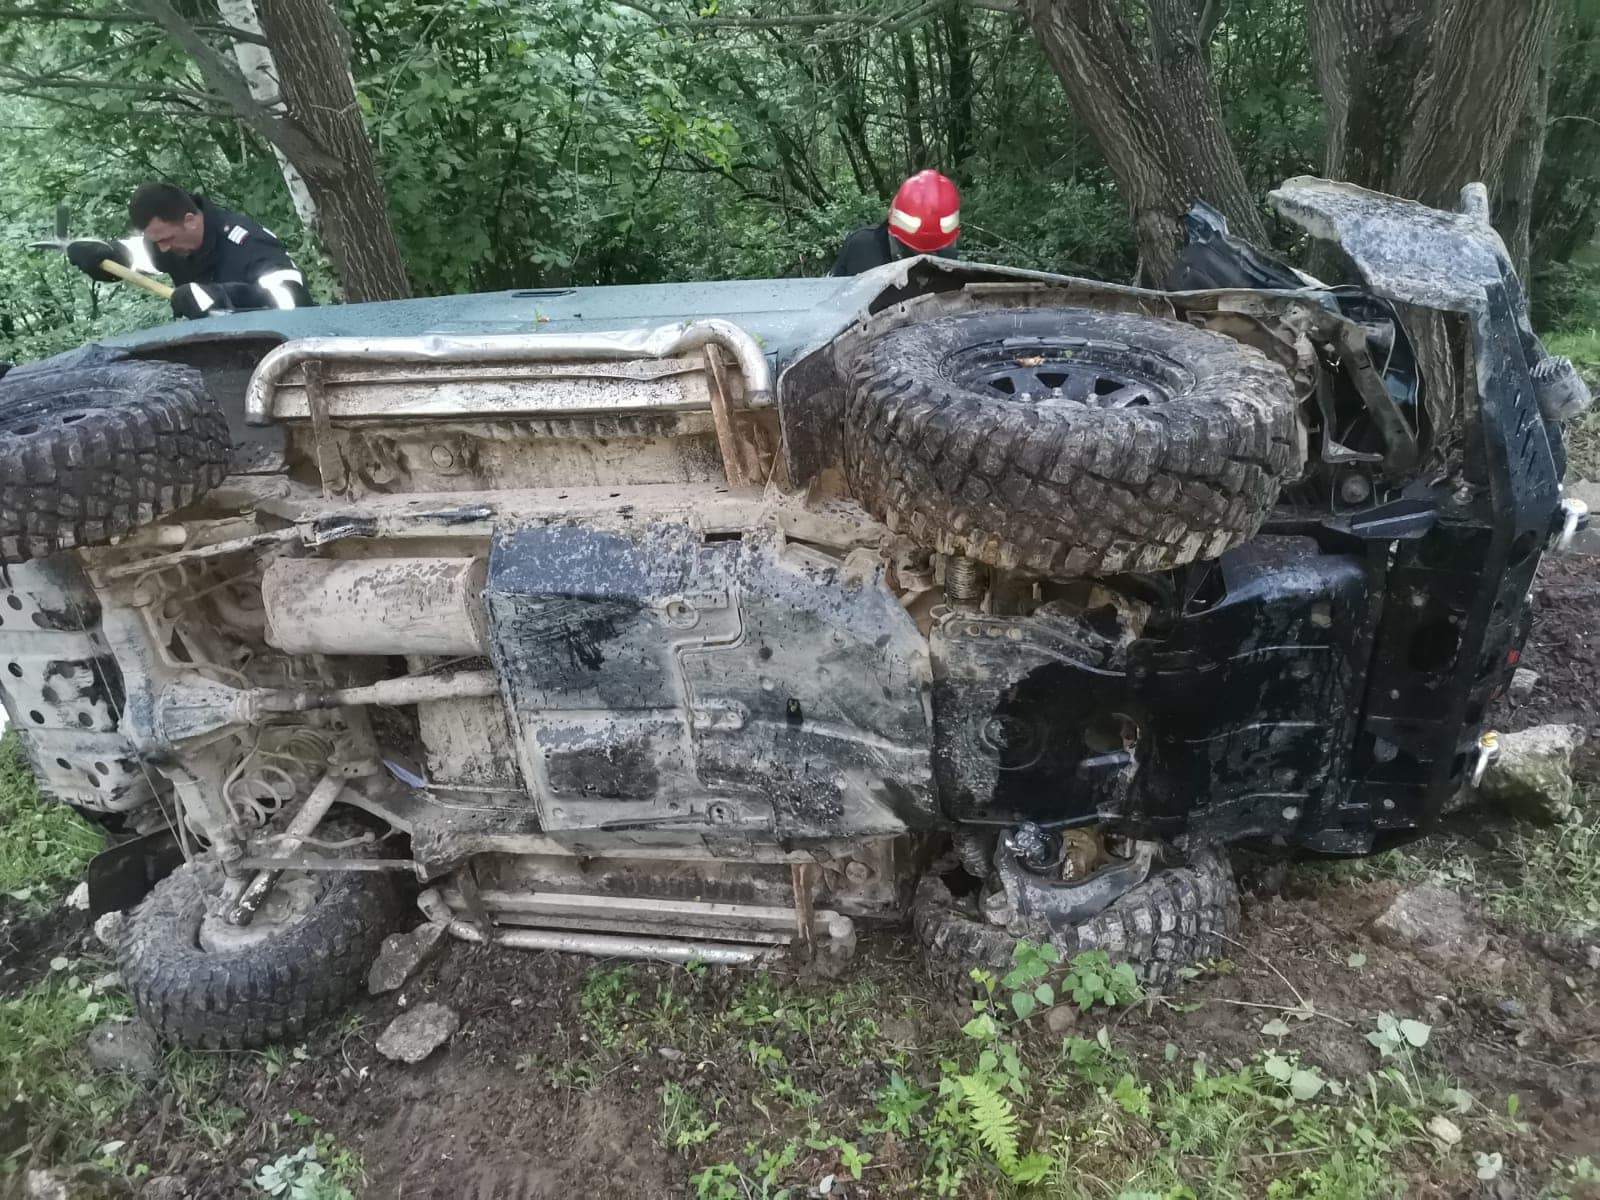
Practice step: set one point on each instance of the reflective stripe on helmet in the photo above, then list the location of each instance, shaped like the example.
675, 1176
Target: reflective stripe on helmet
951, 223
904, 220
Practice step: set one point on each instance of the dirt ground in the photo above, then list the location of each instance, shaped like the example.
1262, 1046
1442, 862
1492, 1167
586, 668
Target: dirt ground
553, 1086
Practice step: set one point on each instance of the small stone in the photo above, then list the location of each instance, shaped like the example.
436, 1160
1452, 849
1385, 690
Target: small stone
110, 981
1511, 1008
671, 1054
78, 898
1061, 1019
163, 1187
1434, 922
1532, 778
1523, 681
418, 1032
1446, 1130
108, 929
825, 1186
402, 956
124, 1046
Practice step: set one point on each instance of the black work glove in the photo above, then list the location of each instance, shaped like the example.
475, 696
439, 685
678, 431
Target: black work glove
88, 253
196, 300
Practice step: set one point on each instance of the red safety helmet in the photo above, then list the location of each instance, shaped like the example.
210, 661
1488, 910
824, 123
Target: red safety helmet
926, 213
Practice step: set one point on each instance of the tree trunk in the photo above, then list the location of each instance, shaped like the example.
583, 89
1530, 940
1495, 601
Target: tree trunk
1152, 111
261, 74
310, 47
960, 121
911, 85
1424, 96
1513, 199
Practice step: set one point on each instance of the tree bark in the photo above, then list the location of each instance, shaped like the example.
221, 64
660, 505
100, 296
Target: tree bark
1424, 96
1153, 111
311, 50
1513, 200
261, 75
960, 120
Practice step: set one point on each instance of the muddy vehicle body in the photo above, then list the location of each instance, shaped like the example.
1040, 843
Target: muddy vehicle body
708, 622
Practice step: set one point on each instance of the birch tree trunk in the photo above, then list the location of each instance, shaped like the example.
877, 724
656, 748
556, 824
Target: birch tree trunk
261, 74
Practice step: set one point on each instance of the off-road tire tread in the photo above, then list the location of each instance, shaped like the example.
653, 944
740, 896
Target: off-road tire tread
1178, 916
1069, 490
148, 440
266, 993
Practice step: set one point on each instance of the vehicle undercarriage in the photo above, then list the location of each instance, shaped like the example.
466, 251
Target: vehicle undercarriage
1009, 605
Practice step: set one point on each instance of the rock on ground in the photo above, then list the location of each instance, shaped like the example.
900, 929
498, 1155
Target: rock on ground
163, 1187
1587, 542
414, 1035
126, 1046
82, 1182
1532, 778
1434, 922
78, 898
1523, 681
402, 956
108, 929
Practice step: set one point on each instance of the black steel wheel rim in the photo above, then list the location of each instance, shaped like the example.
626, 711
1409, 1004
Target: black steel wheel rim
1068, 370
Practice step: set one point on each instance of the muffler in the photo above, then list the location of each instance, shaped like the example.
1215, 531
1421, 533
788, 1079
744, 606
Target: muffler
376, 606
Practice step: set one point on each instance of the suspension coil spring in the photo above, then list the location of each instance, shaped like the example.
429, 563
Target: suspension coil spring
965, 581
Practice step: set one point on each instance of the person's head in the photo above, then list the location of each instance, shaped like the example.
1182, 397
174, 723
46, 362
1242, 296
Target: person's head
925, 216
168, 217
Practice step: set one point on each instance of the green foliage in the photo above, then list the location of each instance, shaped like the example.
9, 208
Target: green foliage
320, 1171
42, 1060
42, 844
683, 1121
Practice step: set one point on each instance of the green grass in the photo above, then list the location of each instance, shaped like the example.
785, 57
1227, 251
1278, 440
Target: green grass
42, 845
45, 1067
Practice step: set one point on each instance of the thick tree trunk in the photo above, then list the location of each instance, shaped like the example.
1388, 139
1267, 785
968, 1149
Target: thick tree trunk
261, 74
1152, 111
1513, 199
1424, 96
314, 73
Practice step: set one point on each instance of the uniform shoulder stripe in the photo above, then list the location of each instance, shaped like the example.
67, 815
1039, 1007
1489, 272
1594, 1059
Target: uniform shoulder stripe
237, 234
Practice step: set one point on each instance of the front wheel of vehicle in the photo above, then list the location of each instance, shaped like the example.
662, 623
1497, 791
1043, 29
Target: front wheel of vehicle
201, 982
1181, 914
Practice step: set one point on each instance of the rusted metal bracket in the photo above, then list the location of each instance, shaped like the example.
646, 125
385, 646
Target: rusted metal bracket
330, 463
736, 463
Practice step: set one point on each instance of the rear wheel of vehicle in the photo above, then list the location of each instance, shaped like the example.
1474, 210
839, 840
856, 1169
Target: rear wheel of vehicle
199, 981
1179, 915
89, 453
1068, 441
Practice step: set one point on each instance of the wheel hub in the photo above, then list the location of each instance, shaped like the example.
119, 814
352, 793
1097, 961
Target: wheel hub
290, 901
1068, 370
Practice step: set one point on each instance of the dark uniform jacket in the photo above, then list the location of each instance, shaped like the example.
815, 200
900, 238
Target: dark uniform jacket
871, 247
238, 265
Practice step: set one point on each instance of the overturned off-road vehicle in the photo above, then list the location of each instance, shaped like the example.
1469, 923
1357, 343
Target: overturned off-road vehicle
710, 622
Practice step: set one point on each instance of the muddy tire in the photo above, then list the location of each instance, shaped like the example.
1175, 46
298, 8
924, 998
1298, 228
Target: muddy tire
1179, 915
1067, 441
241, 996
90, 452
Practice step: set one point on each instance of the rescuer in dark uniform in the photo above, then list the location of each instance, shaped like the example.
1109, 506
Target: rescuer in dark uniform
217, 259
925, 218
